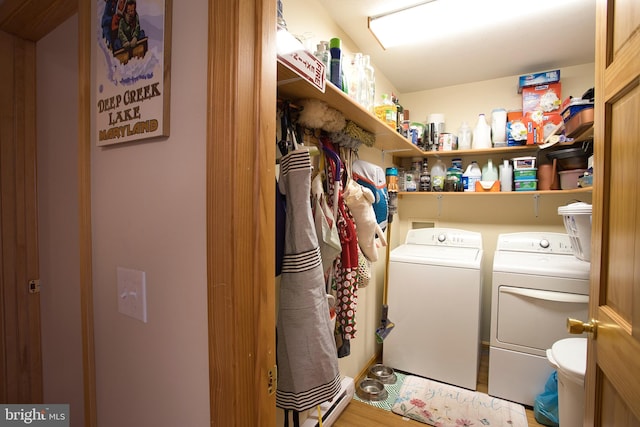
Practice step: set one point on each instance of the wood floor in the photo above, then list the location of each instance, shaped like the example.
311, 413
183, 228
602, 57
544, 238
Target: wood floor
361, 414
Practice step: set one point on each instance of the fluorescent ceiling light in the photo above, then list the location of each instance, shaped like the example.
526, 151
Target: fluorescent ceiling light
434, 20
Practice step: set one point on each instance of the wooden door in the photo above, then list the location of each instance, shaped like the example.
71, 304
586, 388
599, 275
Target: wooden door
613, 363
241, 212
20, 355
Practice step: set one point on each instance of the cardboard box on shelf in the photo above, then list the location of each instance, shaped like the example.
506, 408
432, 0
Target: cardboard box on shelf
516, 132
546, 97
534, 79
540, 125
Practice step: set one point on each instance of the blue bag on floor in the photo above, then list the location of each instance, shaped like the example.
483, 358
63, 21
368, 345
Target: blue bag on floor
545, 407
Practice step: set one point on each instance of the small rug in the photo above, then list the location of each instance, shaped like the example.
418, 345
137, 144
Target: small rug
444, 405
392, 389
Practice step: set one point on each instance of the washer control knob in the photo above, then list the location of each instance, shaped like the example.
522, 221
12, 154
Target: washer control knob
544, 243
442, 237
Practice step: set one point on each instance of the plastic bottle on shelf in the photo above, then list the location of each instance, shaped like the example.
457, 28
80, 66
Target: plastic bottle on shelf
410, 180
387, 111
464, 137
401, 179
499, 127
323, 54
472, 174
453, 181
371, 80
481, 134
438, 176
335, 73
357, 80
490, 172
506, 176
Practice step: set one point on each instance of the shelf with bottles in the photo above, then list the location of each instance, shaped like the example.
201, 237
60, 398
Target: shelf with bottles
516, 150
435, 194
294, 87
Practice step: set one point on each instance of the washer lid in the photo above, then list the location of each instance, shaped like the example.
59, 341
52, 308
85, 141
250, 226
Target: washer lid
437, 255
570, 356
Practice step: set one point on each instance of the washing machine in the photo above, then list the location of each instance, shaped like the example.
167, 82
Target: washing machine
537, 284
434, 293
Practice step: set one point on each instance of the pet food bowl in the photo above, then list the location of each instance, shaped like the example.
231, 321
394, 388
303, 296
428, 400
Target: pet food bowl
382, 373
372, 390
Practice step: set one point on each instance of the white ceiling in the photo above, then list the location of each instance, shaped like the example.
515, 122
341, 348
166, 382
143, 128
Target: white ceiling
538, 42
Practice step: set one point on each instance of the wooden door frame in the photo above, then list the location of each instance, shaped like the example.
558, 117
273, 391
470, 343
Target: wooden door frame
85, 41
240, 211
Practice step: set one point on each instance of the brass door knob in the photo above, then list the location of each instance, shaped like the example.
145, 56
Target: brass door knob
575, 326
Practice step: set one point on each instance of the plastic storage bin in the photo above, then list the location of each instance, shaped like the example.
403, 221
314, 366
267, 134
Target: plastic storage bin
528, 162
525, 174
526, 185
569, 179
577, 222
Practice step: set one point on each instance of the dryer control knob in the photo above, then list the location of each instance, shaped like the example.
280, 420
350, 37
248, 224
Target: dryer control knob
544, 243
442, 237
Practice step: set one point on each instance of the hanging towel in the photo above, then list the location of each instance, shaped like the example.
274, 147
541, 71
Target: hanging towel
373, 177
308, 373
359, 200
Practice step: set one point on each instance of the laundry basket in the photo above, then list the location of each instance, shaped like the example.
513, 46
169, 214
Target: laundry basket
577, 221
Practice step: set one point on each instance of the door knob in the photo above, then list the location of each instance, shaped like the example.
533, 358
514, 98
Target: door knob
575, 326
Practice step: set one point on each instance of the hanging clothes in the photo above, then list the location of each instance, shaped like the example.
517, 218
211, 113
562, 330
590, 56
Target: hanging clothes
308, 373
326, 228
344, 277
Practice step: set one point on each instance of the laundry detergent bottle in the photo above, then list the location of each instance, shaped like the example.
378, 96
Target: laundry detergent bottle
489, 171
472, 174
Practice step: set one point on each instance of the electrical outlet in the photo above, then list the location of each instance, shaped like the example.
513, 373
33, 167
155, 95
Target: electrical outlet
132, 293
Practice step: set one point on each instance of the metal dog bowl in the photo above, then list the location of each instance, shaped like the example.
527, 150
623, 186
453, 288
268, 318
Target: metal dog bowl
372, 390
382, 373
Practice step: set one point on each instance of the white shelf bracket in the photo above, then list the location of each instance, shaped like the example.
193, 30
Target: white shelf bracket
439, 198
536, 200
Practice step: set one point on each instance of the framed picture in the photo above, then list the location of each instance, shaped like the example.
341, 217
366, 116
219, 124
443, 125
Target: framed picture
133, 70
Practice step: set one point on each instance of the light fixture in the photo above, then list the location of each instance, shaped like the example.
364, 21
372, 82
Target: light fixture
435, 20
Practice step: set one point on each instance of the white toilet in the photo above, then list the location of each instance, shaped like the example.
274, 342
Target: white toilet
569, 357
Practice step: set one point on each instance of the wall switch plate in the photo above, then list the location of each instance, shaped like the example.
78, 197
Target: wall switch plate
132, 293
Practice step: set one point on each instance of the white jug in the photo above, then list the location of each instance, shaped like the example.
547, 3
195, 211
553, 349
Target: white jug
481, 134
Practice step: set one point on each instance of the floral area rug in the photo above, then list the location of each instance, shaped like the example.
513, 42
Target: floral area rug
443, 405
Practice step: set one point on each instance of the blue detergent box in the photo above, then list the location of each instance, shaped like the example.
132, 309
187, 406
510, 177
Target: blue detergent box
535, 79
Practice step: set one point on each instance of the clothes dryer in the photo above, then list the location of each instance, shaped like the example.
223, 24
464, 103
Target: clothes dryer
434, 296
537, 284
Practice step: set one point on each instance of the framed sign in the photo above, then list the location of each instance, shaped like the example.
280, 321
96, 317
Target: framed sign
133, 69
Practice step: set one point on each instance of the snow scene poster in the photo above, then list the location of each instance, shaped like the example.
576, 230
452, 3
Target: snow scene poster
132, 70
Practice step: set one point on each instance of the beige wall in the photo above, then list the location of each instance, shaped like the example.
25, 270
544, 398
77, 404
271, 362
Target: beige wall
464, 102
148, 214
57, 130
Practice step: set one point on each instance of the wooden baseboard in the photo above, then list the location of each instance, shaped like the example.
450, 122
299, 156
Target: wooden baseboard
374, 359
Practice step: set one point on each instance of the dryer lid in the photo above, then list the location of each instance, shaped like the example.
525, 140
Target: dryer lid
541, 264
